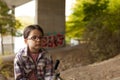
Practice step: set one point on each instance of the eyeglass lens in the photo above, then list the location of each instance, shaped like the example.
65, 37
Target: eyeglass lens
36, 38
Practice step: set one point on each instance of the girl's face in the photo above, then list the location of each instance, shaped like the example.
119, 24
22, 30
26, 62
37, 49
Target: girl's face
34, 41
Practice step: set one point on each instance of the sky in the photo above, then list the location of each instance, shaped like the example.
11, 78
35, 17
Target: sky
29, 8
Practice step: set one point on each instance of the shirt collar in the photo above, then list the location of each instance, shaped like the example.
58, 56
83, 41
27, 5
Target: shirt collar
25, 53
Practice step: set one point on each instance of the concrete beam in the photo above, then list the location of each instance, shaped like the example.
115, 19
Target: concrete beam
50, 15
16, 3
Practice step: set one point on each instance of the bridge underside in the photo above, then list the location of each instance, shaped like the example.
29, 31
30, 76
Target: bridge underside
16, 3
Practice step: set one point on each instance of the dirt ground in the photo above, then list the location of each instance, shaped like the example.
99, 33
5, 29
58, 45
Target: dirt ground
75, 65
106, 70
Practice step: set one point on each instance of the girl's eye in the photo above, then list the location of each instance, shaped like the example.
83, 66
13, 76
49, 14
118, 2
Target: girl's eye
36, 38
33, 38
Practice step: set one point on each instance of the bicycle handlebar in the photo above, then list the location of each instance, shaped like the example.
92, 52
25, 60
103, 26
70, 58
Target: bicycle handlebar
56, 64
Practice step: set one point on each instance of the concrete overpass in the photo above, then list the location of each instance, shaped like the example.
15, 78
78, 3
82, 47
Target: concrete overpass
16, 3
50, 15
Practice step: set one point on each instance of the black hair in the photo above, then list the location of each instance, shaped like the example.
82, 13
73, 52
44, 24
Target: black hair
29, 28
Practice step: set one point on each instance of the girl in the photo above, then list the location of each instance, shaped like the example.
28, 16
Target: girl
33, 62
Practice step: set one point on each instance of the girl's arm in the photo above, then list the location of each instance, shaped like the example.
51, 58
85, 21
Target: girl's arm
18, 69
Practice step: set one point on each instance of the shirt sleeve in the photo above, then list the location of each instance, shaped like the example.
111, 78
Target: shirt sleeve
18, 70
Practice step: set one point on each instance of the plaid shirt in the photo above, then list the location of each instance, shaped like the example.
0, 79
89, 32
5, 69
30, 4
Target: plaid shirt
24, 65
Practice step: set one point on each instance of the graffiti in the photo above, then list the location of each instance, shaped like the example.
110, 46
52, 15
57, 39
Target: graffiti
53, 40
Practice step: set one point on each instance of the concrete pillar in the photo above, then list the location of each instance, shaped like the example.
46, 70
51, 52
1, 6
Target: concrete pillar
50, 15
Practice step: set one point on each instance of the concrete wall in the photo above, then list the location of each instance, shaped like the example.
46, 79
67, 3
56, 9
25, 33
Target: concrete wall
50, 15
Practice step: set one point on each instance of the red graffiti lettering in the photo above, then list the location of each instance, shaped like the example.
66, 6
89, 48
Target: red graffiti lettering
53, 41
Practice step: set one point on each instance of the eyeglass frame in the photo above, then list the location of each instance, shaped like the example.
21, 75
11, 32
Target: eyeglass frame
35, 38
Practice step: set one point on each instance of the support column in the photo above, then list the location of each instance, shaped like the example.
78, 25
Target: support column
50, 15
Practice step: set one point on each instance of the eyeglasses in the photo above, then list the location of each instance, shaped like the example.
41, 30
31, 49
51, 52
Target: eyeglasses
35, 38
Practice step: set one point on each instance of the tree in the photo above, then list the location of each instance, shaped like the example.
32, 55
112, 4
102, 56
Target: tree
100, 23
74, 24
8, 24
83, 12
